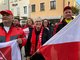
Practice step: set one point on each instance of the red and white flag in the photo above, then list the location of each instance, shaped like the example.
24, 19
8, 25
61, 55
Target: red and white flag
10, 51
65, 45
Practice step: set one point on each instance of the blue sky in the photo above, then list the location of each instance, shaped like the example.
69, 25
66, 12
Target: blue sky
78, 1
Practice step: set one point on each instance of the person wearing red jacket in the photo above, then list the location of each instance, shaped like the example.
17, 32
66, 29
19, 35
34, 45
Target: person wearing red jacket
8, 31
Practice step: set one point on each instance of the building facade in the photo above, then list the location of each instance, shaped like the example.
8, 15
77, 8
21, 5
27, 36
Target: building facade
49, 9
20, 8
46, 9
4, 4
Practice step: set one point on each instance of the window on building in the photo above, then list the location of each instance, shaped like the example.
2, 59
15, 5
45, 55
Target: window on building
53, 4
33, 7
18, 11
25, 9
42, 6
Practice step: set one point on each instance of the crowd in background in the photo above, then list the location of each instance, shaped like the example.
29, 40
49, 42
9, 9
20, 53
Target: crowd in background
38, 31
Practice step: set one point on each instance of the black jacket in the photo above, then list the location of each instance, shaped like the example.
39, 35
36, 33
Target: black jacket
61, 25
37, 56
45, 37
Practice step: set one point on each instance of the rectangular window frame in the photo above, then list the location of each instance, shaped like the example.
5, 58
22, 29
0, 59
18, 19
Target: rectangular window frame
53, 4
33, 6
25, 9
42, 6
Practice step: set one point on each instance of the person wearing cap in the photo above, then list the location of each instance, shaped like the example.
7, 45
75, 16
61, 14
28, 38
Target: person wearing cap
38, 37
67, 17
8, 31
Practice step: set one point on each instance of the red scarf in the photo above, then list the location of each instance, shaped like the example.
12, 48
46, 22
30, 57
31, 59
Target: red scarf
33, 41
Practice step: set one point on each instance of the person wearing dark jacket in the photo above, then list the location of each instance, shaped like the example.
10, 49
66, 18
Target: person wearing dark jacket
66, 19
28, 30
38, 37
46, 24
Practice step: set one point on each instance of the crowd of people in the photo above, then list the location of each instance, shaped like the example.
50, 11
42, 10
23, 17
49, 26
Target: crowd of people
33, 34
